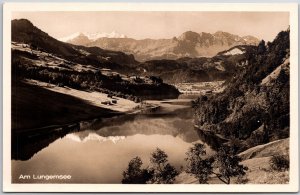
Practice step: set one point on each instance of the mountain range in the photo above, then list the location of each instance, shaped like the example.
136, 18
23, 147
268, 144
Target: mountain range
92, 36
185, 69
189, 44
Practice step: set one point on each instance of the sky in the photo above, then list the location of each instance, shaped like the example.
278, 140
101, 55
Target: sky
140, 25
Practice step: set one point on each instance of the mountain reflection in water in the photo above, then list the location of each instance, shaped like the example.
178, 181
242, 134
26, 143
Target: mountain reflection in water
101, 153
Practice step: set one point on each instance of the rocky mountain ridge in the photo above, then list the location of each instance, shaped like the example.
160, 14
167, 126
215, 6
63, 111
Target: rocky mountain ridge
189, 44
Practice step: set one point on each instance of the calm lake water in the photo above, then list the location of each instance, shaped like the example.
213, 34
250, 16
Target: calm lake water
101, 150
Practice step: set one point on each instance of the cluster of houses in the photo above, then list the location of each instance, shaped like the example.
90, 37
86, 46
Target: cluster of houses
199, 88
135, 79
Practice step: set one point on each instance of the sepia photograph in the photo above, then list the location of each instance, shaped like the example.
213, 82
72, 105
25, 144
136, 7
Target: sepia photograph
138, 94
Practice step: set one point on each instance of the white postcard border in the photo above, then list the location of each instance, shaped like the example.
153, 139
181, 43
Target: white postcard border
292, 8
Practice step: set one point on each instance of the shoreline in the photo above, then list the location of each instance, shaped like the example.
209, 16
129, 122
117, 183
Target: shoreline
126, 107
52, 116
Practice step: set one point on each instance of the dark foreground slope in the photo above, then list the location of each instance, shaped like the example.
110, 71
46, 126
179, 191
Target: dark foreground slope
34, 107
254, 109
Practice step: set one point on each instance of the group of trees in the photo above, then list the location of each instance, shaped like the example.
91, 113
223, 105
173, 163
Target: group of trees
159, 172
224, 165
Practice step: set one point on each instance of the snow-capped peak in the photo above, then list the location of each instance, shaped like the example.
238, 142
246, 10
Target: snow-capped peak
70, 37
113, 34
93, 36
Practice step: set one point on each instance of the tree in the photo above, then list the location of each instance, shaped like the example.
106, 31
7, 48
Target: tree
134, 174
163, 172
196, 165
261, 48
228, 164
283, 77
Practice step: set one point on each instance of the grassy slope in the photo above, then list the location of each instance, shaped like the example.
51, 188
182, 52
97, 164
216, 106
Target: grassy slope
266, 150
260, 172
34, 107
257, 160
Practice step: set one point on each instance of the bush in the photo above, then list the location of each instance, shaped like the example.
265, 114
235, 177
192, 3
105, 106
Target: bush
280, 162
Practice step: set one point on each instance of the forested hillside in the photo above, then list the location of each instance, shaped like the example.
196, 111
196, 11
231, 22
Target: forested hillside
254, 108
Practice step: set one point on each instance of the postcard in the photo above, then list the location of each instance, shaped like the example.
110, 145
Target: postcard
150, 97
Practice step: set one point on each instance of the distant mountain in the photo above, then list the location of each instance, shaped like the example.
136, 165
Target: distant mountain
90, 36
220, 67
185, 69
77, 38
23, 31
189, 44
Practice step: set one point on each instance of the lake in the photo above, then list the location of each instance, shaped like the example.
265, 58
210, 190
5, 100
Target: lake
99, 151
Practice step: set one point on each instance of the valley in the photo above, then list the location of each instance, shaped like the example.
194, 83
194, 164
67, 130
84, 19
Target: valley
115, 98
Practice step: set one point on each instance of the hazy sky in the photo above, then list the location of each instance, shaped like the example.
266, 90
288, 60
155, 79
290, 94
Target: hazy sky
139, 25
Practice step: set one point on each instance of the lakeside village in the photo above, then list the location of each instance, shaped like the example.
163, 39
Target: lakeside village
198, 88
